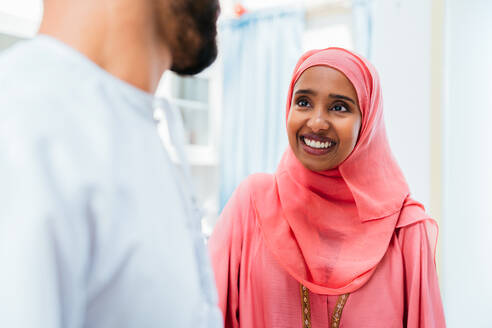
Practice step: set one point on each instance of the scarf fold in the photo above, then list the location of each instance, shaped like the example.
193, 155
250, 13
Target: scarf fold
329, 230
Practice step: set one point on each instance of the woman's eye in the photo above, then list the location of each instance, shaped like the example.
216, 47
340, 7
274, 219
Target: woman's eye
302, 103
339, 108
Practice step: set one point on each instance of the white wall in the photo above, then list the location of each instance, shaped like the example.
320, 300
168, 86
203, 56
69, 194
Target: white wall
467, 223
329, 29
401, 54
20, 17
27, 9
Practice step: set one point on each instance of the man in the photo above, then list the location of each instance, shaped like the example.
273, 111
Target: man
96, 228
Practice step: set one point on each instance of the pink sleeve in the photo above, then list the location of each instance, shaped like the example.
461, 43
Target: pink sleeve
423, 308
225, 252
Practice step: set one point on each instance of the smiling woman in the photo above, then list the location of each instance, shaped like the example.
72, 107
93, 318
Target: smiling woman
315, 243
324, 120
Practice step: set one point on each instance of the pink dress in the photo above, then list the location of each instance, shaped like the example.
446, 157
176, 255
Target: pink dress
255, 291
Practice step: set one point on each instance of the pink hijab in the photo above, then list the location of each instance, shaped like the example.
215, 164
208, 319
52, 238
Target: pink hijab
330, 229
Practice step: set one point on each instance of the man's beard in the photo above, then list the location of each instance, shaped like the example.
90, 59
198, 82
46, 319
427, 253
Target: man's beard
191, 33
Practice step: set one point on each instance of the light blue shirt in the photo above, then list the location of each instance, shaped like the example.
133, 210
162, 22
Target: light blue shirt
97, 225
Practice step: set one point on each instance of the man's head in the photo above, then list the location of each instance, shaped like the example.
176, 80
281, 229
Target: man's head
189, 29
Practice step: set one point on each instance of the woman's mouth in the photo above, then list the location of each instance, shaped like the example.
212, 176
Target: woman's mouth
317, 145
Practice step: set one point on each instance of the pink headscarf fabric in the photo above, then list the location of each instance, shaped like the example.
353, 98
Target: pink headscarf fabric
330, 229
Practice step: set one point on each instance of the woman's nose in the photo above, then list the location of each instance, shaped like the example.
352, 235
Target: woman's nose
318, 121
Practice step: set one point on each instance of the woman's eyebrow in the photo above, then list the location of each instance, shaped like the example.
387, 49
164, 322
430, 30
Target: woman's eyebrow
333, 95
306, 91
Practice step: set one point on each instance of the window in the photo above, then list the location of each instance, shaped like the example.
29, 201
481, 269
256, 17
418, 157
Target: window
190, 94
197, 98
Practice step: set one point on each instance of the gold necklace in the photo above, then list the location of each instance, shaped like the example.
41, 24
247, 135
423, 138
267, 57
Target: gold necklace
306, 309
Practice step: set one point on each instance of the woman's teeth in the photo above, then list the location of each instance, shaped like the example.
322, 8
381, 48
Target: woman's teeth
317, 144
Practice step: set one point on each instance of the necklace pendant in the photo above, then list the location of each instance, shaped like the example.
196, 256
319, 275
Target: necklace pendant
306, 307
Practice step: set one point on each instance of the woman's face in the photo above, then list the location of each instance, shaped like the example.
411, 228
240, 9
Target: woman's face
324, 118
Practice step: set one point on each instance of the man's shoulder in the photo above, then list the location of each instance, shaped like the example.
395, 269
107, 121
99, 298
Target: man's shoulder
39, 116
38, 111
40, 96
28, 81
21, 60
35, 71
